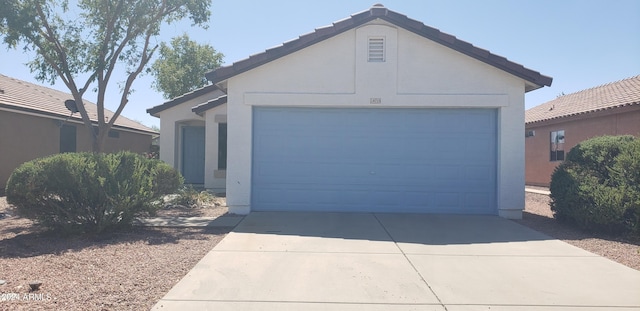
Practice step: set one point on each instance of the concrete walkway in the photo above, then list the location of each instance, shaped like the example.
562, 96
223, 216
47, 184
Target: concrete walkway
538, 191
363, 261
184, 222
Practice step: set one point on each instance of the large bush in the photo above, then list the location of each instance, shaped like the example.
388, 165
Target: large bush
87, 192
598, 186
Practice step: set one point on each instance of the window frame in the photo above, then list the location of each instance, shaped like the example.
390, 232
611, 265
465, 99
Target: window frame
68, 138
222, 146
113, 134
556, 145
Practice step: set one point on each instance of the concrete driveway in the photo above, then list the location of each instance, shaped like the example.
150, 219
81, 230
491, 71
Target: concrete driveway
363, 261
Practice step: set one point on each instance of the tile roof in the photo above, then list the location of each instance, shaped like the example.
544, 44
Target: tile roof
199, 109
380, 12
28, 97
608, 96
181, 99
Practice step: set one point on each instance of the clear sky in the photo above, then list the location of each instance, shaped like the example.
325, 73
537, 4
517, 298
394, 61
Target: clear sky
580, 43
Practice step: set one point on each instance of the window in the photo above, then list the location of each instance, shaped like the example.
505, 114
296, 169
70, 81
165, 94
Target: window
222, 146
110, 134
557, 146
376, 49
67, 138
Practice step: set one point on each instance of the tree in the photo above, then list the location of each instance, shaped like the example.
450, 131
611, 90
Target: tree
90, 43
181, 66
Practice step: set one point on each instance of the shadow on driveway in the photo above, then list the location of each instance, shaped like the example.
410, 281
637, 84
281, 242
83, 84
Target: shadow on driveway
430, 229
375, 261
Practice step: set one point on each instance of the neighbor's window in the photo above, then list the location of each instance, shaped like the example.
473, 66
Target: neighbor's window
114, 134
67, 138
376, 49
557, 146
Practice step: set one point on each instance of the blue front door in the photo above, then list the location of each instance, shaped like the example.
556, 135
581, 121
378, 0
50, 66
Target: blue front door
193, 153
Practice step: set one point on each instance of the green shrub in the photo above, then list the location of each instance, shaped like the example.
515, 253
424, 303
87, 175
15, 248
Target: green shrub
190, 197
598, 186
87, 192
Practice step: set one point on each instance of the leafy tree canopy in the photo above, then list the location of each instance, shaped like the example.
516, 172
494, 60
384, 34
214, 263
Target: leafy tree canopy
83, 43
181, 67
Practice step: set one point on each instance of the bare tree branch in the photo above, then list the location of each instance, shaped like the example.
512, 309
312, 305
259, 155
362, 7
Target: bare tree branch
93, 42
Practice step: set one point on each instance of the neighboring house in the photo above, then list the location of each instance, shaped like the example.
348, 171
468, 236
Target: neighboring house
553, 128
34, 123
374, 113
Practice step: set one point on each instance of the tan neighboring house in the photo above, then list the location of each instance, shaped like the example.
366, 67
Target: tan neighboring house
553, 128
34, 123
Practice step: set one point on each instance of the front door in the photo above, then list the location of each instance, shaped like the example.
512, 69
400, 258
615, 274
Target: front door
193, 140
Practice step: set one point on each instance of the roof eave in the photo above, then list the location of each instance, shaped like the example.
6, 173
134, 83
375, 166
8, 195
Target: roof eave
582, 113
537, 80
153, 111
202, 108
52, 115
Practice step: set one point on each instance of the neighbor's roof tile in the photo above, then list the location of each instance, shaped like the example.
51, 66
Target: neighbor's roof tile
28, 97
612, 95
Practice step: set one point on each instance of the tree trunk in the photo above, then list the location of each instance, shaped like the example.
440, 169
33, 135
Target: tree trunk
98, 139
97, 146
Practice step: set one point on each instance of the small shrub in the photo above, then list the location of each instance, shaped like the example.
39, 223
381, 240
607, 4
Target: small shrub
190, 197
87, 192
153, 153
166, 178
598, 186
626, 173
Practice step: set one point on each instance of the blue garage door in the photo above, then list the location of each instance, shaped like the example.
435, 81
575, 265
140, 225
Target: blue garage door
374, 160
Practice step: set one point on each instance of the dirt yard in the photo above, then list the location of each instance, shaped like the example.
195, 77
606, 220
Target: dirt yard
120, 271
538, 216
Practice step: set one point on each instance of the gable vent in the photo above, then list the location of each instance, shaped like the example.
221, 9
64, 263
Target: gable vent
376, 49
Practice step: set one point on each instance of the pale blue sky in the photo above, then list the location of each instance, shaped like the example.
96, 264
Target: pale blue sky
580, 43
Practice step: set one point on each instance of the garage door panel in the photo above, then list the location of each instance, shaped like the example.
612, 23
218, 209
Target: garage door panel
480, 173
411, 160
478, 147
446, 172
445, 199
479, 201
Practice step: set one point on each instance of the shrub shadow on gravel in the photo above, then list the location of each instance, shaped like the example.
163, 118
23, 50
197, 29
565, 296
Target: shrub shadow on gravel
565, 231
21, 238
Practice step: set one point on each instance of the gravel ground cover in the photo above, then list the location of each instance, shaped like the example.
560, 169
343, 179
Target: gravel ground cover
133, 270
120, 271
538, 216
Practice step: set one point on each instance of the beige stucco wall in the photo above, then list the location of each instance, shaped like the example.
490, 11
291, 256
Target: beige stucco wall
214, 178
619, 121
417, 73
26, 137
171, 122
